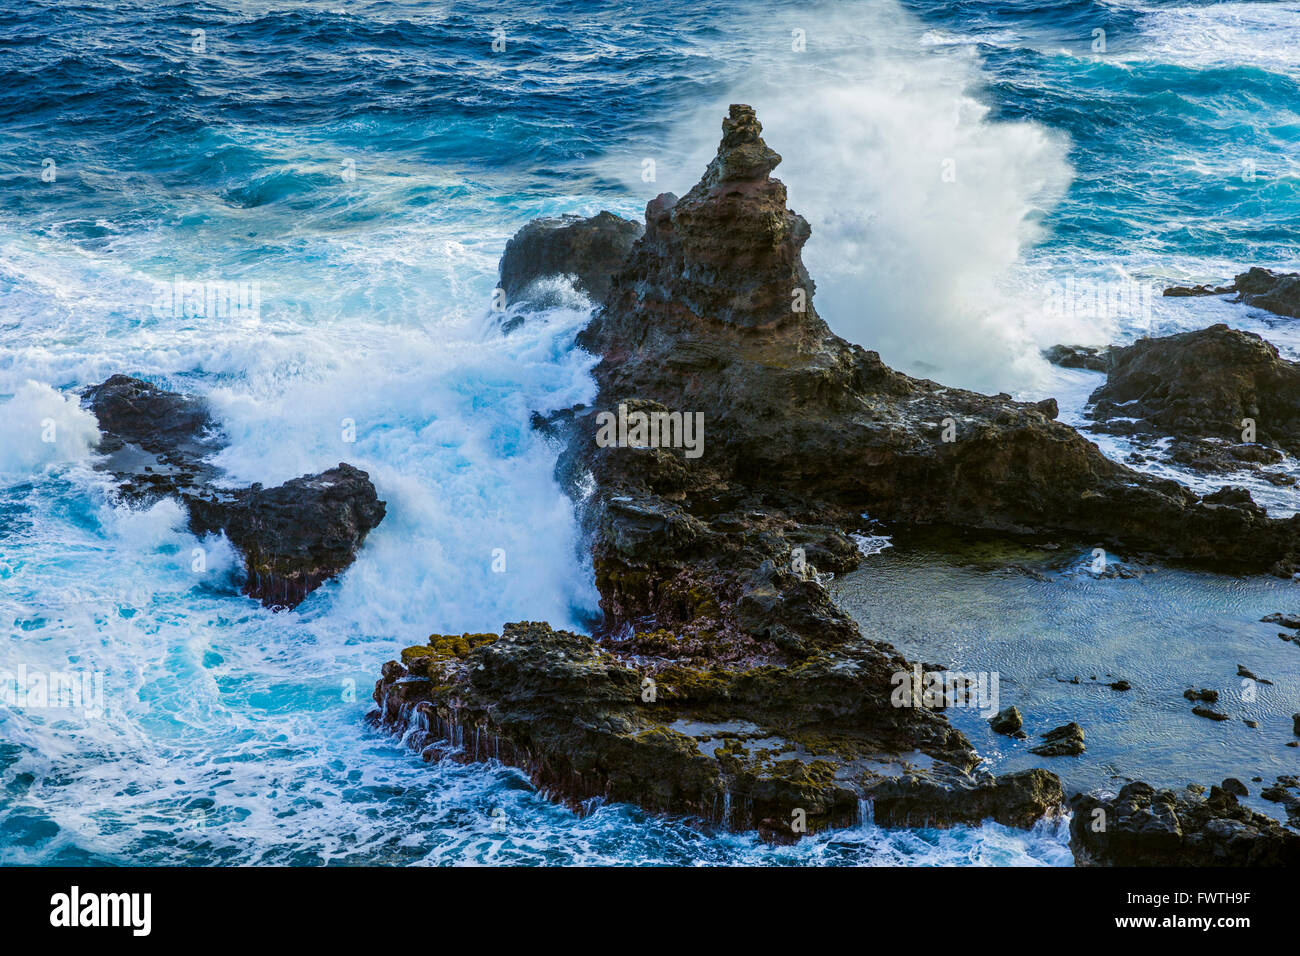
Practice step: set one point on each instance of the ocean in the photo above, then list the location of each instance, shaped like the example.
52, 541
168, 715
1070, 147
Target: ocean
982, 180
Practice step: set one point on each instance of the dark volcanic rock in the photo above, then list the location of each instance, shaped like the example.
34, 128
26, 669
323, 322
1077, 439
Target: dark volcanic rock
1184, 291
750, 748
1235, 787
1286, 791
1272, 291
156, 440
1277, 292
1204, 383
293, 537
1007, 721
711, 547
590, 250
1064, 741
296, 536
766, 706
1142, 826
1093, 358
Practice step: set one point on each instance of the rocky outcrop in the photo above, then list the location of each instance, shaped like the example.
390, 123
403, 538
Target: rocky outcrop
1215, 382
1277, 292
293, 537
787, 750
734, 446
1142, 826
1063, 741
156, 442
589, 251
296, 536
1093, 358
1007, 721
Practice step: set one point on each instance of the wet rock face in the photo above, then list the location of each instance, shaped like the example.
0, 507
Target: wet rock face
590, 250
1204, 383
724, 683
296, 536
1064, 741
726, 252
783, 750
1142, 826
156, 440
1273, 291
1277, 292
1093, 358
293, 537
711, 557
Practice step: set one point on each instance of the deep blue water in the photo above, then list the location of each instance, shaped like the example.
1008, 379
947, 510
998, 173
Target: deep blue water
364, 163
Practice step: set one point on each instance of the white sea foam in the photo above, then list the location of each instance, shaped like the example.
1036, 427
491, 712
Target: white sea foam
1217, 34
40, 427
919, 203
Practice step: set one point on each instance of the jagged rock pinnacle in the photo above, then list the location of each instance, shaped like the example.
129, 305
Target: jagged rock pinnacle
742, 154
727, 251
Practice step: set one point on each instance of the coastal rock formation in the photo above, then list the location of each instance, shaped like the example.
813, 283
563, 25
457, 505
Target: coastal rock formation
1272, 291
1093, 358
589, 250
787, 750
1007, 721
734, 446
156, 441
1142, 826
1277, 292
1063, 741
293, 537
1205, 383
296, 536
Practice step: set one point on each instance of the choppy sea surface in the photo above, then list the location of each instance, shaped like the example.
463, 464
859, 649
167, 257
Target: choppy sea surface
973, 172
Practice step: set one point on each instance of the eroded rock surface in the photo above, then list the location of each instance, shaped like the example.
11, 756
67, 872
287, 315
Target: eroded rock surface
589, 250
1093, 358
1206, 383
1142, 826
1277, 292
293, 537
767, 705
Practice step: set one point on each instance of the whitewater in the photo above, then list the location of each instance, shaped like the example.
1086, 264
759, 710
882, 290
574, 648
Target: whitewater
364, 164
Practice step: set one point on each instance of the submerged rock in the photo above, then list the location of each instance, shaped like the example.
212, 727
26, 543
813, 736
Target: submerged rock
588, 250
1285, 620
1216, 383
1064, 741
292, 537
1286, 792
1142, 826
